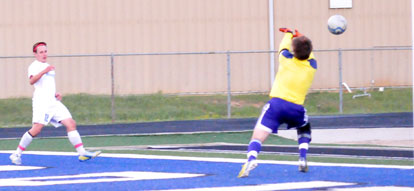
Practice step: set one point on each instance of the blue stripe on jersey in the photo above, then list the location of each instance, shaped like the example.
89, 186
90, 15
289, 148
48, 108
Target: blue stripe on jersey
312, 62
287, 54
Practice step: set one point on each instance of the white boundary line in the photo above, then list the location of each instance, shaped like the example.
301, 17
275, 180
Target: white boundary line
16, 167
98, 177
139, 156
272, 187
140, 134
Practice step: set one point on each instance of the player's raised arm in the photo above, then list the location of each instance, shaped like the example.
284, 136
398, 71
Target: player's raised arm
286, 42
34, 78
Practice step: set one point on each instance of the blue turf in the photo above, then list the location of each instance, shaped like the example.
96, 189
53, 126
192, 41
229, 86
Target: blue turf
219, 174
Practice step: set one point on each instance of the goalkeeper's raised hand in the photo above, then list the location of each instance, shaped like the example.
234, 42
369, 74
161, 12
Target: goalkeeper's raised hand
285, 30
297, 33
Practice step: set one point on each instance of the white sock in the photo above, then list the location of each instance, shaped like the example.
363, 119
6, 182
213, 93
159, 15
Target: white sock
76, 141
24, 142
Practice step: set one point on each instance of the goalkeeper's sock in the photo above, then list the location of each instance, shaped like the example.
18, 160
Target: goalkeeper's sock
253, 149
303, 146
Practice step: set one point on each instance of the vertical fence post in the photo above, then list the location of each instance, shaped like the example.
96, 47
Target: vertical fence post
228, 86
412, 51
272, 41
112, 89
340, 81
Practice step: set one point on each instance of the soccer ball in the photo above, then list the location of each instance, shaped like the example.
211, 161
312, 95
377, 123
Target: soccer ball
337, 24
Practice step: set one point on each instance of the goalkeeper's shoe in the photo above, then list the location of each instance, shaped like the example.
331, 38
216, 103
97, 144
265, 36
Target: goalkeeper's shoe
246, 168
88, 155
16, 159
303, 164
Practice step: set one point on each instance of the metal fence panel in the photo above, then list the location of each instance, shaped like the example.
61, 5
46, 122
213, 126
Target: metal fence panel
205, 72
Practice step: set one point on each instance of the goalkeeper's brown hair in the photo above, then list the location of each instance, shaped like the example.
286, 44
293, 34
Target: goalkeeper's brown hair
302, 47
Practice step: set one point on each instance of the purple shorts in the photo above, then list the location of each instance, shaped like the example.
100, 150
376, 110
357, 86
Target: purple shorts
278, 111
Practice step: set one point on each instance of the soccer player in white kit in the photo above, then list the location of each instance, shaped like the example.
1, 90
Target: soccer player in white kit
47, 107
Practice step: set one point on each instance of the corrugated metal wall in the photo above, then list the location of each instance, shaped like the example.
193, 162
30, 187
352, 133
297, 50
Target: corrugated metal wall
106, 26
371, 23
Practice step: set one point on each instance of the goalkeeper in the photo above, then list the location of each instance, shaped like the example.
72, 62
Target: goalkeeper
297, 67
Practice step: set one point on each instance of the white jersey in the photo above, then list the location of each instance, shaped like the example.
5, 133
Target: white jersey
46, 108
45, 87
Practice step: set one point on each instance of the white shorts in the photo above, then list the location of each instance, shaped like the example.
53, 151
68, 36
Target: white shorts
52, 113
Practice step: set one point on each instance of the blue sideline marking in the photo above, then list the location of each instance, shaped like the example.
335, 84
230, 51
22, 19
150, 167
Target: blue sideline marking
202, 174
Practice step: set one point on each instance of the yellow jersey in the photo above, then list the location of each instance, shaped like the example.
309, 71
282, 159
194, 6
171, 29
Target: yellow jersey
294, 77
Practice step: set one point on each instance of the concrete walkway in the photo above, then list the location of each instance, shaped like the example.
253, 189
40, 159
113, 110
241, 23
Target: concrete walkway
399, 137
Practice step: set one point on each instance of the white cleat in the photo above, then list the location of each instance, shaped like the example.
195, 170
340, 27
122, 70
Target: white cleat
303, 165
246, 168
16, 159
88, 155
